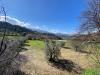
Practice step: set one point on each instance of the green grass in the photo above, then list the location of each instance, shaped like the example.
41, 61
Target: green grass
92, 72
36, 44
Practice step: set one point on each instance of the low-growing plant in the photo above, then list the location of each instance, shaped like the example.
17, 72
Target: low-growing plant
92, 71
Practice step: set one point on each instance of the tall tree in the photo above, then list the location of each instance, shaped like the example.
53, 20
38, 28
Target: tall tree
91, 26
91, 17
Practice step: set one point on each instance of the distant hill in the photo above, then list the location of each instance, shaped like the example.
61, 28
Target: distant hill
16, 30
64, 36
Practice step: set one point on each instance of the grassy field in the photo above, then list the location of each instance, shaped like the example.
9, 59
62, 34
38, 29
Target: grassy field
92, 71
36, 44
36, 63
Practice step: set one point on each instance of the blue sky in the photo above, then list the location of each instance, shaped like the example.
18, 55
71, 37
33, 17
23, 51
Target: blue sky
58, 16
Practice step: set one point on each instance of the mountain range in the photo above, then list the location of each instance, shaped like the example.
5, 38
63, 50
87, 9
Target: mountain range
16, 30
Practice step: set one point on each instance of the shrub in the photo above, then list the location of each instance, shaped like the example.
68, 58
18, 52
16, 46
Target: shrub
8, 53
52, 50
61, 43
75, 44
29, 36
95, 50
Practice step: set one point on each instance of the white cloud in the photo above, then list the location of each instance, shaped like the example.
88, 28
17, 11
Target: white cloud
14, 21
28, 25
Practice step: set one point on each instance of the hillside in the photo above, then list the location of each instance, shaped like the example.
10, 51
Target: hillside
16, 30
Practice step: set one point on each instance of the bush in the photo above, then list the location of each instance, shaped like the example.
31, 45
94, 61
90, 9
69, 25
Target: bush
29, 36
75, 44
95, 50
61, 43
8, 53
52, 50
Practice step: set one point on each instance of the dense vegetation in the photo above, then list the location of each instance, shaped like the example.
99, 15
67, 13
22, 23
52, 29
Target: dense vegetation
16, 30
9, 51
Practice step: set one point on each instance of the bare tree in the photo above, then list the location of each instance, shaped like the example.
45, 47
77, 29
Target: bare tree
91, 16
91, 26
9, 50
4, 34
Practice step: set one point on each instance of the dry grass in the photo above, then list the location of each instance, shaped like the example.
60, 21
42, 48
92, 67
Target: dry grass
80, 58
37, 65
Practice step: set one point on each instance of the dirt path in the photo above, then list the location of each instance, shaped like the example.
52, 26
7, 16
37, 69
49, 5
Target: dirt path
36, 64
